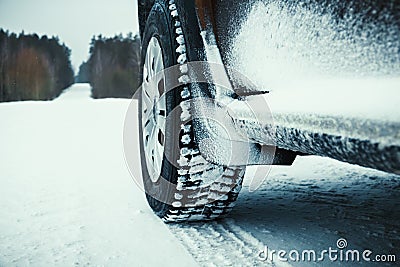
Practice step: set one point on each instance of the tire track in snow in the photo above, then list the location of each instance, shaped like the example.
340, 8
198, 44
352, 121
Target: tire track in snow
221, 243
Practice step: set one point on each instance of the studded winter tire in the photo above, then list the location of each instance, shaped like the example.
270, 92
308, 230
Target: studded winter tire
180, 184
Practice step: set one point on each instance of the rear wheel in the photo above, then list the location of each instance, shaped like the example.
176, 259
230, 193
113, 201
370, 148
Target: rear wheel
182, 186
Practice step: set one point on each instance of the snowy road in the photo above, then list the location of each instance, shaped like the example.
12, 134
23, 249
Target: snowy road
66, 198
308, 206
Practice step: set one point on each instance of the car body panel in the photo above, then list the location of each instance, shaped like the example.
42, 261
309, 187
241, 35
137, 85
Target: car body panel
345, 117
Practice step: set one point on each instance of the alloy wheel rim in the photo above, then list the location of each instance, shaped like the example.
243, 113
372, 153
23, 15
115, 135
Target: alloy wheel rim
153, 109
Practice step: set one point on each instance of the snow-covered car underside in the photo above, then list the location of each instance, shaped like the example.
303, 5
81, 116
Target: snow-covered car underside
304, 78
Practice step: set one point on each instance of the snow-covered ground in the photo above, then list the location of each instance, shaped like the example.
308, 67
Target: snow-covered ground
66, 198
308, 206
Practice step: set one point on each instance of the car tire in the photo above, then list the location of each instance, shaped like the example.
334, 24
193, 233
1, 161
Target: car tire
178, 187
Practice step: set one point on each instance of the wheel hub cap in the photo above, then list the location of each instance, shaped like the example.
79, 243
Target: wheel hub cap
153, 109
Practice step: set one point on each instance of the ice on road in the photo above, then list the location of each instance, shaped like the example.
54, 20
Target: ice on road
66, 196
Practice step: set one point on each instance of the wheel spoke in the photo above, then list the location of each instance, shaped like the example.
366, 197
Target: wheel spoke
149, 126
162, 104
148, 150
152, 141
157, 159
158, 66
161, 121
148, 103
148, 65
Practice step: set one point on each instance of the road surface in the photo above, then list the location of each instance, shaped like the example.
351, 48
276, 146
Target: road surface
66, 198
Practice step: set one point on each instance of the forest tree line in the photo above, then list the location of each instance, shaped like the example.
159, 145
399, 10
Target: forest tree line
113, 66
33, 67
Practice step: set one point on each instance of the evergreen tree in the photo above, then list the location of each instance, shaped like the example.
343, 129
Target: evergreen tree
113, 66
33, 67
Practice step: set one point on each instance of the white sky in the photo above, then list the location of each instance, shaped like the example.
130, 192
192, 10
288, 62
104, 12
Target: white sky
73, 21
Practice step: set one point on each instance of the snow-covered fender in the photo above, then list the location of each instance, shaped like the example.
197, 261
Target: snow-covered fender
197, 18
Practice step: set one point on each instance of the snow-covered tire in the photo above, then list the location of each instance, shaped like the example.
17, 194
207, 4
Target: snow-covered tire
189, 195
